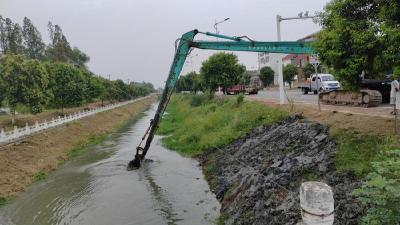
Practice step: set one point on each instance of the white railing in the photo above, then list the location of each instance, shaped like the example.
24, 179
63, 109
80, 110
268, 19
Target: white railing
7, 137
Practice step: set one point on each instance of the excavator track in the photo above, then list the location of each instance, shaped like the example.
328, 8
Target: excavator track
363, 98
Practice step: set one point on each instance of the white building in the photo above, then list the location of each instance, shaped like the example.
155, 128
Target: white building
271, 60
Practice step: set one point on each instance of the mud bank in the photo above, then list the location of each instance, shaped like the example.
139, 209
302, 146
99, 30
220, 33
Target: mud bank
257, 177
32, 158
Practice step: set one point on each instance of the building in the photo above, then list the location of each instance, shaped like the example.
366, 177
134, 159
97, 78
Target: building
272, 59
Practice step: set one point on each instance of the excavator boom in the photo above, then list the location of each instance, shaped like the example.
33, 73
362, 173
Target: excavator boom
182, 49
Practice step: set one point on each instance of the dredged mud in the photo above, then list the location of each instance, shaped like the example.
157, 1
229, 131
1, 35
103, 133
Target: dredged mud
257, 177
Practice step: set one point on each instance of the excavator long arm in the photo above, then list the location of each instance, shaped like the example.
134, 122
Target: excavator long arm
183, 47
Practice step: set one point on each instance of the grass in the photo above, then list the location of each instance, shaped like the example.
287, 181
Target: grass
84, 145
41, 175
356, 152
3, 201
194, 126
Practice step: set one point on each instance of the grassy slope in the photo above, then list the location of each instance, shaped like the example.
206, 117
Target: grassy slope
212, 124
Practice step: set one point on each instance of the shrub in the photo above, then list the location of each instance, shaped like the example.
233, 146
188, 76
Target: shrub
197, 100
381, 191
239, 99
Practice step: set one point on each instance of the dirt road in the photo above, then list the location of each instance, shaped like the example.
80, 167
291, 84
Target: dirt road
310, 100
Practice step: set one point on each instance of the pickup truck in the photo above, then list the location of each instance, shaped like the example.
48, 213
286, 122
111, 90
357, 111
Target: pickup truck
324, 83
247, 89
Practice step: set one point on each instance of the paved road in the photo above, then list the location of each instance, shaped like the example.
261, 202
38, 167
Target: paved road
295, 95
312, 100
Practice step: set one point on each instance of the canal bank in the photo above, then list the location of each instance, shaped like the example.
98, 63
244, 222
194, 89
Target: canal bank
33, 158
255, 157
96, 188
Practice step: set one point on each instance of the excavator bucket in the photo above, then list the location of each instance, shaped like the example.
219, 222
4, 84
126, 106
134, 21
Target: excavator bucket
134, 163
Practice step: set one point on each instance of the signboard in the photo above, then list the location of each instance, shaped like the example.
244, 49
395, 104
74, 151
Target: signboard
314, 59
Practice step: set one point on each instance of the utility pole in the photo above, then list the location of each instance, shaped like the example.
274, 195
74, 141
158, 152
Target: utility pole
314, 60
279, 19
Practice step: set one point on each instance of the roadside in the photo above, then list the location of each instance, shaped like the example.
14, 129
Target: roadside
311, 100
376, 120
31, 159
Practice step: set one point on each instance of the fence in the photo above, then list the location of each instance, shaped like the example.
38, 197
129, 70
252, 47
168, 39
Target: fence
7, 137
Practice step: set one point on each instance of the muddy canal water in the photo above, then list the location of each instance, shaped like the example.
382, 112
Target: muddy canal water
96, 189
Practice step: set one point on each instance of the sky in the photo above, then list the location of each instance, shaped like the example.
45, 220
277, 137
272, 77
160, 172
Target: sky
133, 40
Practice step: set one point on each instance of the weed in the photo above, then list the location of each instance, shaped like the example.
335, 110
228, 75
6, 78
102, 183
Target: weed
356, 152
240, 98
85, 144
3, 201
193, 128
381, 191
41, 175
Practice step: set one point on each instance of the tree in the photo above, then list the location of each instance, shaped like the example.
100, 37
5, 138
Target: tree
308, 70
289, 71
360, 36
221, 69
11, 76
67, 85
267, 75
59, 49
11, 38
35, 87
79, 58
24, 82
33, 40
246, 77
94, 86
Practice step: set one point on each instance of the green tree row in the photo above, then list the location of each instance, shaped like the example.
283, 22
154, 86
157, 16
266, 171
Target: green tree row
40, 85
223, 70
41, 76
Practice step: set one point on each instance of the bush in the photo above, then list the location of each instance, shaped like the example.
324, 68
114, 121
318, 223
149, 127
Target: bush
198, 100
210, 94
240, 98
381, 192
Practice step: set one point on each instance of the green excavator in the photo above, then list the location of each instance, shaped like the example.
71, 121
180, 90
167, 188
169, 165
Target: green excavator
183, 46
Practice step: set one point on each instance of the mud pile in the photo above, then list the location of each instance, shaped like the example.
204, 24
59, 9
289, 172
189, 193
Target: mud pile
257, 177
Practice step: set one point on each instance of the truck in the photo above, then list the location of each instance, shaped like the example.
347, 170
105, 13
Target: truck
324, 83
246, 89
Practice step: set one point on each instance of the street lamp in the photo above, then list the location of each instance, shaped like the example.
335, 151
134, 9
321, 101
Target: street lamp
216, 24
191, 61
279, 19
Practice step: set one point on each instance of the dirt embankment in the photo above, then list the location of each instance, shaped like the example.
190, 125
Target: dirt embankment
257, 177
20, 162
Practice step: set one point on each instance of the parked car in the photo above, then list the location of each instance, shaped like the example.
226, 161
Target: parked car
319, 83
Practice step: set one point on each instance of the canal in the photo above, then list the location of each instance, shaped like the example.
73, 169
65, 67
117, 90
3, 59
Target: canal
96, 189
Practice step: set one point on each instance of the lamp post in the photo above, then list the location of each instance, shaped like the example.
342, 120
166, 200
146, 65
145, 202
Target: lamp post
191, 61
279, 19
216, 24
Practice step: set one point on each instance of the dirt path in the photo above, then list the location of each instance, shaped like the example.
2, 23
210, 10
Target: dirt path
21, 162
